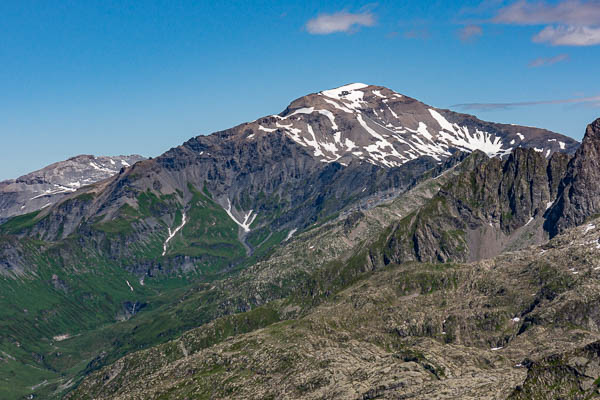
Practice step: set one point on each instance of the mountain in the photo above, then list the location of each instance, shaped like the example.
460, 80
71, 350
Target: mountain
261, 223
42, 188
520, 325
503, 205
284, 172
380, 126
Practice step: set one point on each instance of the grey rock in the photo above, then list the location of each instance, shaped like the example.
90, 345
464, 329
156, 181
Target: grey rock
45, 187
579, 191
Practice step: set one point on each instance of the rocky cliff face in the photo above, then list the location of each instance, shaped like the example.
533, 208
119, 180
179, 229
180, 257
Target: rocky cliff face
45, 187
492, 206
579, 191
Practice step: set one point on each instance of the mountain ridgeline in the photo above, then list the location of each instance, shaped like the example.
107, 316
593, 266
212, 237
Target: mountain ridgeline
270, 220
269, 177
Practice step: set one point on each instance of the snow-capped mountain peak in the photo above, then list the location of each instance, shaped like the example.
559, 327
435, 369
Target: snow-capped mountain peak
44, 187
380, 126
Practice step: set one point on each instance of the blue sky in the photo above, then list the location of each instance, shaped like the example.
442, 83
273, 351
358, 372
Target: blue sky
120, 77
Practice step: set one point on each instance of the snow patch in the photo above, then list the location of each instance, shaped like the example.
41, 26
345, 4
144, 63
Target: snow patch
129, 284
520, 135
172, 234
262, 128
337, 92
392, 111
461, 137
339, 107
311, 110
290, 234
100, 168
248, 218
350, 95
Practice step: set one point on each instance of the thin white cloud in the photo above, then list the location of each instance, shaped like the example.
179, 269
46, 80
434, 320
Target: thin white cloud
342, 21
569, 36
568, 12
568, 22
422, 34
594, 101
470, 32
542, 61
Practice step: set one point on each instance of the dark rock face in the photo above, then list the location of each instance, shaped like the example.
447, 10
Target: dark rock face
579, 191
480, 211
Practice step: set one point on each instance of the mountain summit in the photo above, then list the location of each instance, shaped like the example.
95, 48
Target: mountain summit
385, 128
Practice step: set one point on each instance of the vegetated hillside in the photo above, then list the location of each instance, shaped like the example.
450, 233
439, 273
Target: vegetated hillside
416, 330
158, 309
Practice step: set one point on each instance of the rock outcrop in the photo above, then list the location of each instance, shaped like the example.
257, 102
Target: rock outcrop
492, 206
579, 191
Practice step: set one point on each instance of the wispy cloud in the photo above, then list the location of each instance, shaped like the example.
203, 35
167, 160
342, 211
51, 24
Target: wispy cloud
470, 32
568, 22
594, 101
422, 34
542, 61
569, 35
343, 21
569, 12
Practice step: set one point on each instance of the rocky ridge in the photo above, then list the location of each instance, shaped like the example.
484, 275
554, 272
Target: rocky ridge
579, 196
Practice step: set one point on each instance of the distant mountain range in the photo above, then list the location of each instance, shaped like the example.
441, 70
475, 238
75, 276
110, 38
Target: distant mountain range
270, 221
42, 188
